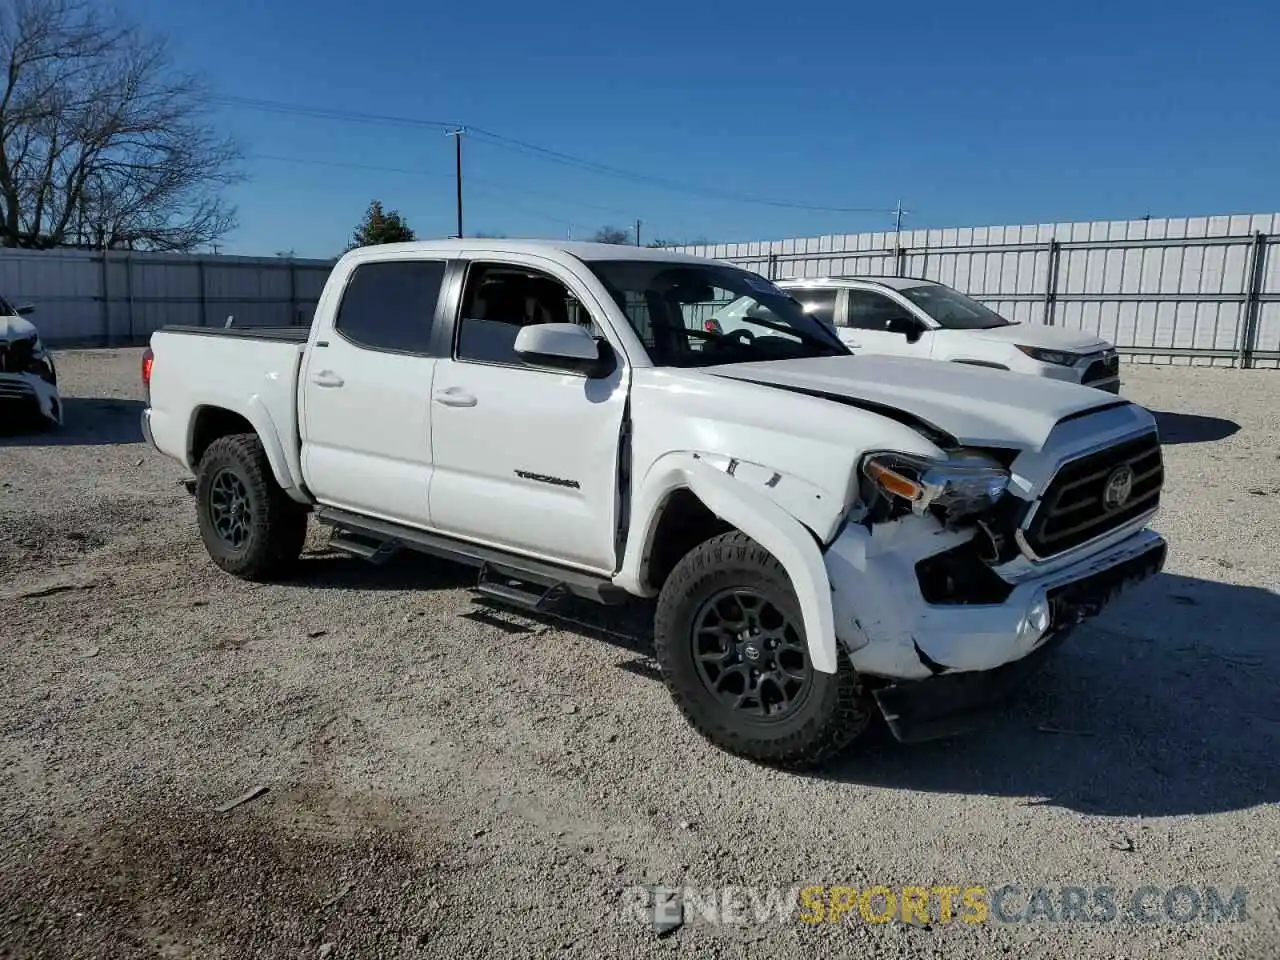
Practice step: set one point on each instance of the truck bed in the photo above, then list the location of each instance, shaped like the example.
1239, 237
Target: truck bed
284, 334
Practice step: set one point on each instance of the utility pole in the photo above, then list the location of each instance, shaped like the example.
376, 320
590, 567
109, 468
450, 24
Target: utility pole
637, 233
457, 144
897, 223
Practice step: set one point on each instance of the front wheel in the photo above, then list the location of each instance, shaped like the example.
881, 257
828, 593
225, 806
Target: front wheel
730, 641
249, 525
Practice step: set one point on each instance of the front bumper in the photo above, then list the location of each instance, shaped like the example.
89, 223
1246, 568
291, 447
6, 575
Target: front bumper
952, 703
33, 390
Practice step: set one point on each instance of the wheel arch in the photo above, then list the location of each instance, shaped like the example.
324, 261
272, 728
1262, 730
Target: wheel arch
688, 483
212, 421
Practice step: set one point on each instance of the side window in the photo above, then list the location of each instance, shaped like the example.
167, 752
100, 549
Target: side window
875, 311
391, 305
818, 303
499, 300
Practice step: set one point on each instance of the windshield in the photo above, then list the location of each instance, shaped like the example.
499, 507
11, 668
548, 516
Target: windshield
698, 315
952, 309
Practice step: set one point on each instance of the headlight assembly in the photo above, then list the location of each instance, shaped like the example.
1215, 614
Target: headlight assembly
1059, 358
959, 485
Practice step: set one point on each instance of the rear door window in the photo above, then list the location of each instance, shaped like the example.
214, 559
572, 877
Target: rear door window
391, 305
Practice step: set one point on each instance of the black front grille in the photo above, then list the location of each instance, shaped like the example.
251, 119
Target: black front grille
1102, 370
16, 356
1072, 510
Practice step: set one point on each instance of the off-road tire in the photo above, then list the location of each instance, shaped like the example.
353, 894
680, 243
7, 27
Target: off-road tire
830, 716
277, 525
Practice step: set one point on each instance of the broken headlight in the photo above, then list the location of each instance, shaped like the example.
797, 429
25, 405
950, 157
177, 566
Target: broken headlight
962, 484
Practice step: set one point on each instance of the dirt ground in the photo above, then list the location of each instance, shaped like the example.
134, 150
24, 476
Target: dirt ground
446, 781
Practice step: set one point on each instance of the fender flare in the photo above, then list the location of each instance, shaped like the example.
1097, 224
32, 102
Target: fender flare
255, 411
773, 528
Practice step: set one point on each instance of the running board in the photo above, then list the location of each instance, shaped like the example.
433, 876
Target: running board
366, 548
514, 593
550, 579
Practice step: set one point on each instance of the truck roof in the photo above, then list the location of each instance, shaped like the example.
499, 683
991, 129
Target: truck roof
580, 249
895, 283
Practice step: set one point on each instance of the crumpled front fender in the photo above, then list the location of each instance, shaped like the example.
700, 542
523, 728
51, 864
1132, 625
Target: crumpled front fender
761, 519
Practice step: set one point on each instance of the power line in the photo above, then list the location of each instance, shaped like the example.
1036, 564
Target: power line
326, 113
485, 184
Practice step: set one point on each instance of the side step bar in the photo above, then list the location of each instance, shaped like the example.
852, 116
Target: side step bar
376, 540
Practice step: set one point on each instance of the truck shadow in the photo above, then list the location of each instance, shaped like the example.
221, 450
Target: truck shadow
86, 421
1167, 707
1192, 427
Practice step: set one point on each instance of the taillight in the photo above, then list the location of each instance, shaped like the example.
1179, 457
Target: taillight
148, 361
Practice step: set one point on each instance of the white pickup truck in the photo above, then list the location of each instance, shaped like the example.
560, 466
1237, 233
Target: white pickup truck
826, 535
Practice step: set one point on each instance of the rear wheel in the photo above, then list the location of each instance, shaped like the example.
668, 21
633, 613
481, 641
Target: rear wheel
248, 524
730, 641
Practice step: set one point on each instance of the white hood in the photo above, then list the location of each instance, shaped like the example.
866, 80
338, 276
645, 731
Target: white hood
1038, 335
978, 407
15, 328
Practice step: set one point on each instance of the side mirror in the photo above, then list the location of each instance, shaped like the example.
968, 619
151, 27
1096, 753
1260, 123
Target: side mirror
562, 346
904, 325
26, 310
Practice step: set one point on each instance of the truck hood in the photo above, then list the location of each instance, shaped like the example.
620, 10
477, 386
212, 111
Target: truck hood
15, 328
1038, 335
976, 406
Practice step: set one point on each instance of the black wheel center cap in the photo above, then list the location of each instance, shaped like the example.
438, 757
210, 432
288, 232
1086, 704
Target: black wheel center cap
752, 652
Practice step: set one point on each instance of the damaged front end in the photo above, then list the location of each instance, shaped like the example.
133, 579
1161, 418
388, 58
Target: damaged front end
936, 601
28, 377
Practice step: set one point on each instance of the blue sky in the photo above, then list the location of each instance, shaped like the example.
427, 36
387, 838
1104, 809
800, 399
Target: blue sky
971, 113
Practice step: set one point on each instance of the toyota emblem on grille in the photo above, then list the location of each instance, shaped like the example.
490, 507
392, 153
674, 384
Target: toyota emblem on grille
1119, 486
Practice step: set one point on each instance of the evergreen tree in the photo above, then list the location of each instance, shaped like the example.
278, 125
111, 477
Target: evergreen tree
380, 226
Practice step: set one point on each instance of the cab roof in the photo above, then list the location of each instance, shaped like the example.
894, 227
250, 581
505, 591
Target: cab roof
580, 249
895, 283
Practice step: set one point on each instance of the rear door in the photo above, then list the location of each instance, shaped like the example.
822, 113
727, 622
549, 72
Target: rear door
875, 322
366, 440
526, 458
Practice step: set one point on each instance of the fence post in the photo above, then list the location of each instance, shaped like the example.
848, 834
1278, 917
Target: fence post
899, 260
106, 302
773, 266
204, 317
128, 291
1250, 320
1051, 286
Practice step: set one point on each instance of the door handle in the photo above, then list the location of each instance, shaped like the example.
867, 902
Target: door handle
851, 344
326, 378
454, 397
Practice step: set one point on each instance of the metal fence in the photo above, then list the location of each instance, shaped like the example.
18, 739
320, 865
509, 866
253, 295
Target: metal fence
1200, 290
91, 298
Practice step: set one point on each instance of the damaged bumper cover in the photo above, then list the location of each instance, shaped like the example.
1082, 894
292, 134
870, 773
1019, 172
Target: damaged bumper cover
35, 391
939, 666
953, 703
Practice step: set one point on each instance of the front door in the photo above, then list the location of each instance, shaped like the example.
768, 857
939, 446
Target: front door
525, 458
366, 429
876, 323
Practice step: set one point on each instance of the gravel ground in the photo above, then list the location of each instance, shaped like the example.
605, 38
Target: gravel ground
449, 782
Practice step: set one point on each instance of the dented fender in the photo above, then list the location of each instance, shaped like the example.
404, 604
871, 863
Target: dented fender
756, 514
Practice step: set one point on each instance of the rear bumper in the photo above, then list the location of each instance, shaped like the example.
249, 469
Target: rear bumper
146, 428
953, 703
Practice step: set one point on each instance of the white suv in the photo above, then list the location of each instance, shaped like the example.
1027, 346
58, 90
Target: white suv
907, 317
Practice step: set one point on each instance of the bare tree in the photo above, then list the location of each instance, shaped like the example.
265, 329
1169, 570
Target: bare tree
102, 140
612, 235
